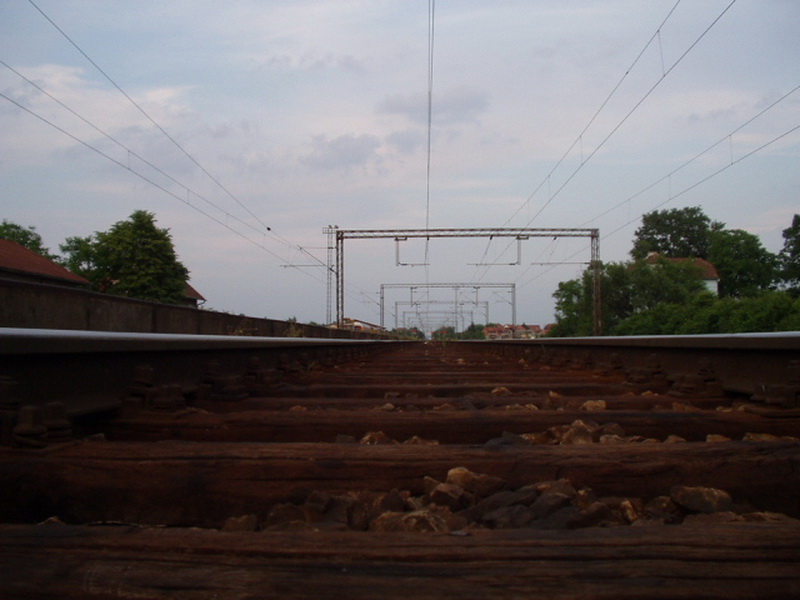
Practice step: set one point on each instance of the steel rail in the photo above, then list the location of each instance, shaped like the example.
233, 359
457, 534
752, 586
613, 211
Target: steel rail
30, 341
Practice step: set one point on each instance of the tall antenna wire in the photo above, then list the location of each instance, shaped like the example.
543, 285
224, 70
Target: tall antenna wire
431, 31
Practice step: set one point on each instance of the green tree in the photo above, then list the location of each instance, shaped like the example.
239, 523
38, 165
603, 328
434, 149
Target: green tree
573, 309
663, 282
473, 332
79, 256
789, 257
745, 267
134, 258
407, 334
626, 288
444, 333
674, 233
770, 311
25, 236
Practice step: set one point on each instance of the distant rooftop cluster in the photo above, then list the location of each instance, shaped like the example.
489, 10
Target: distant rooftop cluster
516, 332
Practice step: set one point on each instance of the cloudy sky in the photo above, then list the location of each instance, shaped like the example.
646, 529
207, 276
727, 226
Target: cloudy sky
225, 118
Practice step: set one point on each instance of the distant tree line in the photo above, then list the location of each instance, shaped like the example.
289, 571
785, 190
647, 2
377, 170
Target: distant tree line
473, 332
757, 290
134, 258
407, 333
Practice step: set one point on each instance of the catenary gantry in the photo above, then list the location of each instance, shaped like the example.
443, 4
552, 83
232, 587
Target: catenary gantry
337, 237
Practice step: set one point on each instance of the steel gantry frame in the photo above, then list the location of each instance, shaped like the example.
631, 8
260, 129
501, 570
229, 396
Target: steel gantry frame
337, 268
456, 287
445, 318
454, 311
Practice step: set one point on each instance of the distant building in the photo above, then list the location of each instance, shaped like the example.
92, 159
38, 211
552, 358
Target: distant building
17, 263
512, 332
191, 297
357, 325
707, 271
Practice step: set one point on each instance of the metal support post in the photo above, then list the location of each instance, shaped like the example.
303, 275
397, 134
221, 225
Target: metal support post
597, 304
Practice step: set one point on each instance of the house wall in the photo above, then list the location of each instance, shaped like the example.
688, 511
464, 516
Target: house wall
41, 306
712, 285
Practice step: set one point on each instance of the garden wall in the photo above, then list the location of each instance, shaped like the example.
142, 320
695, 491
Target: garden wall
41, 306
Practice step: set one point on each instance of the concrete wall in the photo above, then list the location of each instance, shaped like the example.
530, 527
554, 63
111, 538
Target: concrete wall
41, 306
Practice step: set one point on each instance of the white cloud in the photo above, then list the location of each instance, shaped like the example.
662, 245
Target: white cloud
461, 104
343, 151
407, 141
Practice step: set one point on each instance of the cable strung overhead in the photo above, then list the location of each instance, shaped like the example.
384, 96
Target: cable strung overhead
584, 160
148, 117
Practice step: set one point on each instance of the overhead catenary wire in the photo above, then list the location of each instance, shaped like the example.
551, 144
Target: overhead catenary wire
596, 114
711, 176
189, 191
668, 177
632, 110
579, 139
265, 232
584, 160
266, 229
431, 38
722, 140
353, 291
129, 151
677, 195
136, 173
148, 117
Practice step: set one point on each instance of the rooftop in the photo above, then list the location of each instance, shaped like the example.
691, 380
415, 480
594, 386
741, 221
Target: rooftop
17, 259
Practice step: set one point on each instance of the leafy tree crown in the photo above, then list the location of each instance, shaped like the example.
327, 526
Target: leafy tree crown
134, 258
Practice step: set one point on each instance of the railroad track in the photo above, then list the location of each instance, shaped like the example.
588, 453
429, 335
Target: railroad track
185, 467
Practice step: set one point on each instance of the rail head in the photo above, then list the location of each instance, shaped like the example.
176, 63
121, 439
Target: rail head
16, 341
783, 340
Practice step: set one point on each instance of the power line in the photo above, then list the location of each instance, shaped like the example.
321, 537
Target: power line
579, 138
631, 111
149, 118
176, 143
431, 32
353, 291
188, 190
596, 114
137, 174
126, 148
664, 75
686, 190
697, 156
711, 176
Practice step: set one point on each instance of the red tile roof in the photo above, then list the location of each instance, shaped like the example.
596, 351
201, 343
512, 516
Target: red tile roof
18, 259
707, 270
192, 293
